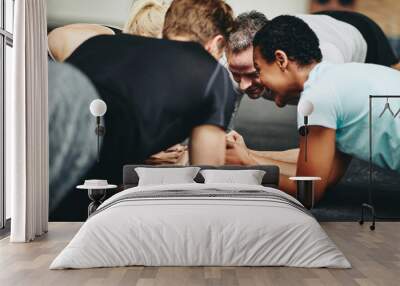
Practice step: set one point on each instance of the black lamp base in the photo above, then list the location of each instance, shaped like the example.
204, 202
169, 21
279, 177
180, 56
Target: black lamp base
100, 130
372, 209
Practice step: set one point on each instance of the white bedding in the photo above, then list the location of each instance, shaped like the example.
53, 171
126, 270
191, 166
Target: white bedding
188, 231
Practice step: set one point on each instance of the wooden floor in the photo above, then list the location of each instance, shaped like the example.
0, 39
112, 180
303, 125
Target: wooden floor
375, 257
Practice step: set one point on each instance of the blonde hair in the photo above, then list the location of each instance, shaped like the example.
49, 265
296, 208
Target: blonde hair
146, 18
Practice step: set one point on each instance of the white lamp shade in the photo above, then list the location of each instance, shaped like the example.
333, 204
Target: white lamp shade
305, 107
98, 107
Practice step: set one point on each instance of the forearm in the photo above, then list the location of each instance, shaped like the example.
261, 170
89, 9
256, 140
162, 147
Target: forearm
207, 146
287, 169
330, 167
287, 185
288, 156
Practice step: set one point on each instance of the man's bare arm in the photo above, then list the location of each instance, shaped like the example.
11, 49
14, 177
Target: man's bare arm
287, 156
238, 154
339, 167
268, 157
207, 146
323, 160
285, 168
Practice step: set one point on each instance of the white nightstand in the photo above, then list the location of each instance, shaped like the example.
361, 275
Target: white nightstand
96, 191
305, 190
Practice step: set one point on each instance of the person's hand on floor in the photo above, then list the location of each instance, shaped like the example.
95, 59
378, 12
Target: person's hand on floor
174, 155
235, 137
237, 154
177, 148
184, 159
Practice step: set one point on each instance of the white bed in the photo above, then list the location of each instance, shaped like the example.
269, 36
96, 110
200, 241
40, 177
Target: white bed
224, 225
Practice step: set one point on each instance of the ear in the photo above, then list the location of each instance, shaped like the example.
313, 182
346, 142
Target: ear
215, 46
281, 59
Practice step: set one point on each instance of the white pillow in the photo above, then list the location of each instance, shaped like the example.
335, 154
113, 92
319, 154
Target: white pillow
248, 177
163, 176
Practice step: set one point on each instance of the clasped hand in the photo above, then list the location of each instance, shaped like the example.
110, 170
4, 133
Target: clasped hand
237, 152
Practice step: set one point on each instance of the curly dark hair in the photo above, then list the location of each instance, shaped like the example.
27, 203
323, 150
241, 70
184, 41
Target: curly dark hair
291, 35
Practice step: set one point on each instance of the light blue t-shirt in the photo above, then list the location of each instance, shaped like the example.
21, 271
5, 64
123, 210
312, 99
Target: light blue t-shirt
340, 95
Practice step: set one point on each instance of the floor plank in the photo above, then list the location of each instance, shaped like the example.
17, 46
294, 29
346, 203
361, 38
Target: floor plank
375, 257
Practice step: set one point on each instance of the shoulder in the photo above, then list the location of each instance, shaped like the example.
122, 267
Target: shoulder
310, 18
62, 41
193, 50
191, 57
317, 22
319, 86
331, 53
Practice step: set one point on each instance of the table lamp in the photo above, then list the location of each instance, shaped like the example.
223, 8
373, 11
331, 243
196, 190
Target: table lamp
98, 108
305, 108
305, 185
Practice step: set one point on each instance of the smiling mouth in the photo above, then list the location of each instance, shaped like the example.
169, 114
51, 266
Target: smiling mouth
253, 90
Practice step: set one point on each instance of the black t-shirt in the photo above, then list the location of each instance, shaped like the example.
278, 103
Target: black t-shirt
156, 92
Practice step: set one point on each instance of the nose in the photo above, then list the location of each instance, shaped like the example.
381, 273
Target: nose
244, 83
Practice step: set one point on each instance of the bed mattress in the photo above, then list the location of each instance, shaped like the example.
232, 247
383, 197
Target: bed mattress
201, 225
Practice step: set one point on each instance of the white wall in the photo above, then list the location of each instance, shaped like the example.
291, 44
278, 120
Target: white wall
110, 12
271, 8
114, 12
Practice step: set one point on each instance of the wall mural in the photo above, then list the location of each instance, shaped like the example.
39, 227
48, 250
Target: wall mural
116, 97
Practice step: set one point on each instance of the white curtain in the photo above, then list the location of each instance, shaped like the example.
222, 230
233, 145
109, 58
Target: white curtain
27, 124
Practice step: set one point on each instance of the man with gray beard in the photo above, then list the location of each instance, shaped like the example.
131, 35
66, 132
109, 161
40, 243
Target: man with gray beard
343, 37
